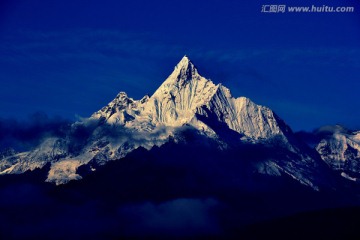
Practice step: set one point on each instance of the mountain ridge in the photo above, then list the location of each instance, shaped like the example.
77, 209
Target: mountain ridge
185, 99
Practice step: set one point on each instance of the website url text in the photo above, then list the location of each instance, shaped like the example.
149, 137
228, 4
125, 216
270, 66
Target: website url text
308, 9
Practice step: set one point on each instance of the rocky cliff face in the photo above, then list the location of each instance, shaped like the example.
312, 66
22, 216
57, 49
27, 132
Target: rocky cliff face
183, 96
184, 99
340, 149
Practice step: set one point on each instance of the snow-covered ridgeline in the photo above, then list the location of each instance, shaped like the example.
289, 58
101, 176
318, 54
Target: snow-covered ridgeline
184, 98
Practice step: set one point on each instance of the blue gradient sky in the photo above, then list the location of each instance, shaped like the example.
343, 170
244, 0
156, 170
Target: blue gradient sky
70, 58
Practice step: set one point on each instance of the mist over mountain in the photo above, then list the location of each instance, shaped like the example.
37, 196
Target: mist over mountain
23, 135
191, 160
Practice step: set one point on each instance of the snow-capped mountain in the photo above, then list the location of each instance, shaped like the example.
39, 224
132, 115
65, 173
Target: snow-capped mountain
185, 99
182, 97
340, 149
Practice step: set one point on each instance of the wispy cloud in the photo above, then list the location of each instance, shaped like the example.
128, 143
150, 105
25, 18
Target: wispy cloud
109, 44
99, 63
26, 134
86, 44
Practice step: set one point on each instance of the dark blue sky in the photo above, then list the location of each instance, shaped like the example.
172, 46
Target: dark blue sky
70, 58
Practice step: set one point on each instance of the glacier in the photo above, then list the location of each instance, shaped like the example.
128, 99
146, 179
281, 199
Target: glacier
340, 149
184, 99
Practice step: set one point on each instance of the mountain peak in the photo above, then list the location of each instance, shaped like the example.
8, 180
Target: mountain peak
185, 61
184, 99
184, 70
184, 73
